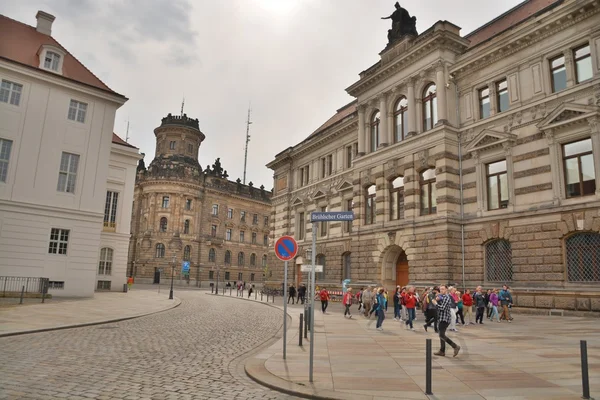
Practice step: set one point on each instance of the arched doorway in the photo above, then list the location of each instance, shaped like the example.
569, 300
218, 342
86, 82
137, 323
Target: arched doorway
394, 267
402, 270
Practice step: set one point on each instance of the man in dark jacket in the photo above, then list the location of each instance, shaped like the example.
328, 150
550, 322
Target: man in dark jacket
301, 293
479, 300
505, 301
292, 294
431, 311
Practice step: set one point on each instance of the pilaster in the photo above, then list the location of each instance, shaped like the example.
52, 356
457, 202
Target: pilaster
412, 108
595, 134
555, 166
384, 138
361, 130
441, 93
570, 67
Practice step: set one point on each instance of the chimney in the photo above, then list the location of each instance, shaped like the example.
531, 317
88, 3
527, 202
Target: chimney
44, 22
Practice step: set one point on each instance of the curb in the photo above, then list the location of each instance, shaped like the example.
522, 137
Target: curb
57, 328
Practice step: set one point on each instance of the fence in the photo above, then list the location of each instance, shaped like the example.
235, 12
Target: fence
11, 285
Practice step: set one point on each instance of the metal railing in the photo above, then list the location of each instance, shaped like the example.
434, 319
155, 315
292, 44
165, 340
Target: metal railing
498, 260
15, 284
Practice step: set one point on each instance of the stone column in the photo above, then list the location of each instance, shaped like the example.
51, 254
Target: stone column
493, 100
384, 138
570, 66
555, 166
442, 108
361, 131
412, 108
595, 132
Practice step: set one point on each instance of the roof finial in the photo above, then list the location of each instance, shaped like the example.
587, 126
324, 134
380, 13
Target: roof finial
182, 104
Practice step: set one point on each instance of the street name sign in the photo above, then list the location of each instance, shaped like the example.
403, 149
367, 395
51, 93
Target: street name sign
308, 268
332, 216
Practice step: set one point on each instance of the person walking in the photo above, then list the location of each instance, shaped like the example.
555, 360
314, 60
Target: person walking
347, 301
302, 293
366, 298
459, 313
431, 312
250, 290
291, 294
479, 299
453, 308
494, 303
359, 300
380, 309
324, 295
374, 302
410, 301
385, 294
505, 301
403, 312
396, 299
444, 315
468, 306
488, 306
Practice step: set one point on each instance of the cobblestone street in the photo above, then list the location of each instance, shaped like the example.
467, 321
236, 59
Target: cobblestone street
194, 351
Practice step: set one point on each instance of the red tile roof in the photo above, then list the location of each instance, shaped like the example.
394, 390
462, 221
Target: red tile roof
21, 43
509, 19
117, 140
342, 113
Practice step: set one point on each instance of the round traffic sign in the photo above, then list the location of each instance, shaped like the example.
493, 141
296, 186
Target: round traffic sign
286, 248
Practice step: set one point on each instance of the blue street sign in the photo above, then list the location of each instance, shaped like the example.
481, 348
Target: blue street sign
286, 248
332, 216
185, 266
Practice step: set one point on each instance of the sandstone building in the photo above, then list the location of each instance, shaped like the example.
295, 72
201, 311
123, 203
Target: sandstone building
468, 159
208, 226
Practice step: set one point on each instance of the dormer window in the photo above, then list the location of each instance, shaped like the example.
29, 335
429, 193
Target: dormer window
51, 60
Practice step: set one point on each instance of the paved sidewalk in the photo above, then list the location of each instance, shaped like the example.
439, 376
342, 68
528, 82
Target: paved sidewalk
103, 307
532, 358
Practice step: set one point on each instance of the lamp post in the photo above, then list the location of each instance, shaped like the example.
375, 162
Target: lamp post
172, 275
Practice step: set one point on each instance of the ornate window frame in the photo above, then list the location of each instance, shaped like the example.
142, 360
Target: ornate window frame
53, 49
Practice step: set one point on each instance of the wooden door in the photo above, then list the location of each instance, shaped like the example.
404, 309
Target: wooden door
402, 270
298, 275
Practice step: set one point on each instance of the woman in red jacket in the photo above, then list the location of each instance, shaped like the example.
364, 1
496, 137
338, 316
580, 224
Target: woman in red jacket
410, 300
468, 307
347, 301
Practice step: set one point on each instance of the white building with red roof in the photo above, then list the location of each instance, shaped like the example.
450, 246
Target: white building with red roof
66, 180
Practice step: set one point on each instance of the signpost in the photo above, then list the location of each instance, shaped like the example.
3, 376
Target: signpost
285, 249
316, 217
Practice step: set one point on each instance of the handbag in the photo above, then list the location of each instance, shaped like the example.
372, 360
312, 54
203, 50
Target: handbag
490, 305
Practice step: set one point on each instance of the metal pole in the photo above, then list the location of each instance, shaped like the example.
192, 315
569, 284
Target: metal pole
22, 292
306, 325
300, 334
217, 286
312, 303
44, 290
285, 268
428, 367
172, 275
584, 370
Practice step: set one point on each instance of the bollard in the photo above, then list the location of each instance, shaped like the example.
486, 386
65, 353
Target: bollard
212, 289
306, 325
22, 293
255, 294
584, 370
261, 293
224, 291
300, 335
44, 291
428, 367
308, 312
273, 299
230, 291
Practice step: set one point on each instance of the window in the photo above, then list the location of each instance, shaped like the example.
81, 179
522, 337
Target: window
160, 250
253, 237
329, 164
265, 240
186, 227
188, 204
51, 60
304, 175
502, 95
212, 255
77, 111
370, 207
583, 63
59, 240
580, 178
187, 252
400, 120
558, 73
165, 202
56, 284
323, 224
243, 216
320, 259
240, 276
323, 167
228, 258
110, 210
349, 207
241, 258
103, 285
497, 185
498, 261
227, 275
67, 174
215, 210
428, 196
213, 230
349, 156
397, 198
230, 213
429, 107
5, 146
163, 224
301, 226
172, 145
255, 219
190, 148
10, 92
242, 234
266, 221
374, 131
228, 234
264, 261
252, 277
211, 275
105, 264
484, 103
253, 260
583, 257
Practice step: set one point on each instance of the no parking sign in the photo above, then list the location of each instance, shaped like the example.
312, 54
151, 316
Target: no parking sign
286, 248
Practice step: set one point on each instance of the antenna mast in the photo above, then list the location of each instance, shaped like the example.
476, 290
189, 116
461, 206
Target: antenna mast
182, 104
248, 122
127, 133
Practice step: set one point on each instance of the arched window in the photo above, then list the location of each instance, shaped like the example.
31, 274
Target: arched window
320, 261
397, 198
374, 131
241, 258
227, 257
370, 205
253, 260
346, 265
105, 264
429, 107
212, 255
400, 119
264, 261
163, 224
160, 250
583, 257
186, 226
428, 195
498, 261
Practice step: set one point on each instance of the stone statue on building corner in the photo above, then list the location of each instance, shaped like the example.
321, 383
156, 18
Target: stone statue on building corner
402, 24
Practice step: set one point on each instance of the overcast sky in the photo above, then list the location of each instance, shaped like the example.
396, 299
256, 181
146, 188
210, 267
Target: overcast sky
291, 59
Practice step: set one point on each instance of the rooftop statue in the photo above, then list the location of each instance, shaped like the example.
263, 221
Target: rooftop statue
402, 24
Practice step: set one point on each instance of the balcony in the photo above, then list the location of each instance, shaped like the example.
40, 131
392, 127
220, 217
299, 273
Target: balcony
214, 241
109, 226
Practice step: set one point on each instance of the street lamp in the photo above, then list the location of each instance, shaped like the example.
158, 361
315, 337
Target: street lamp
172, 275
